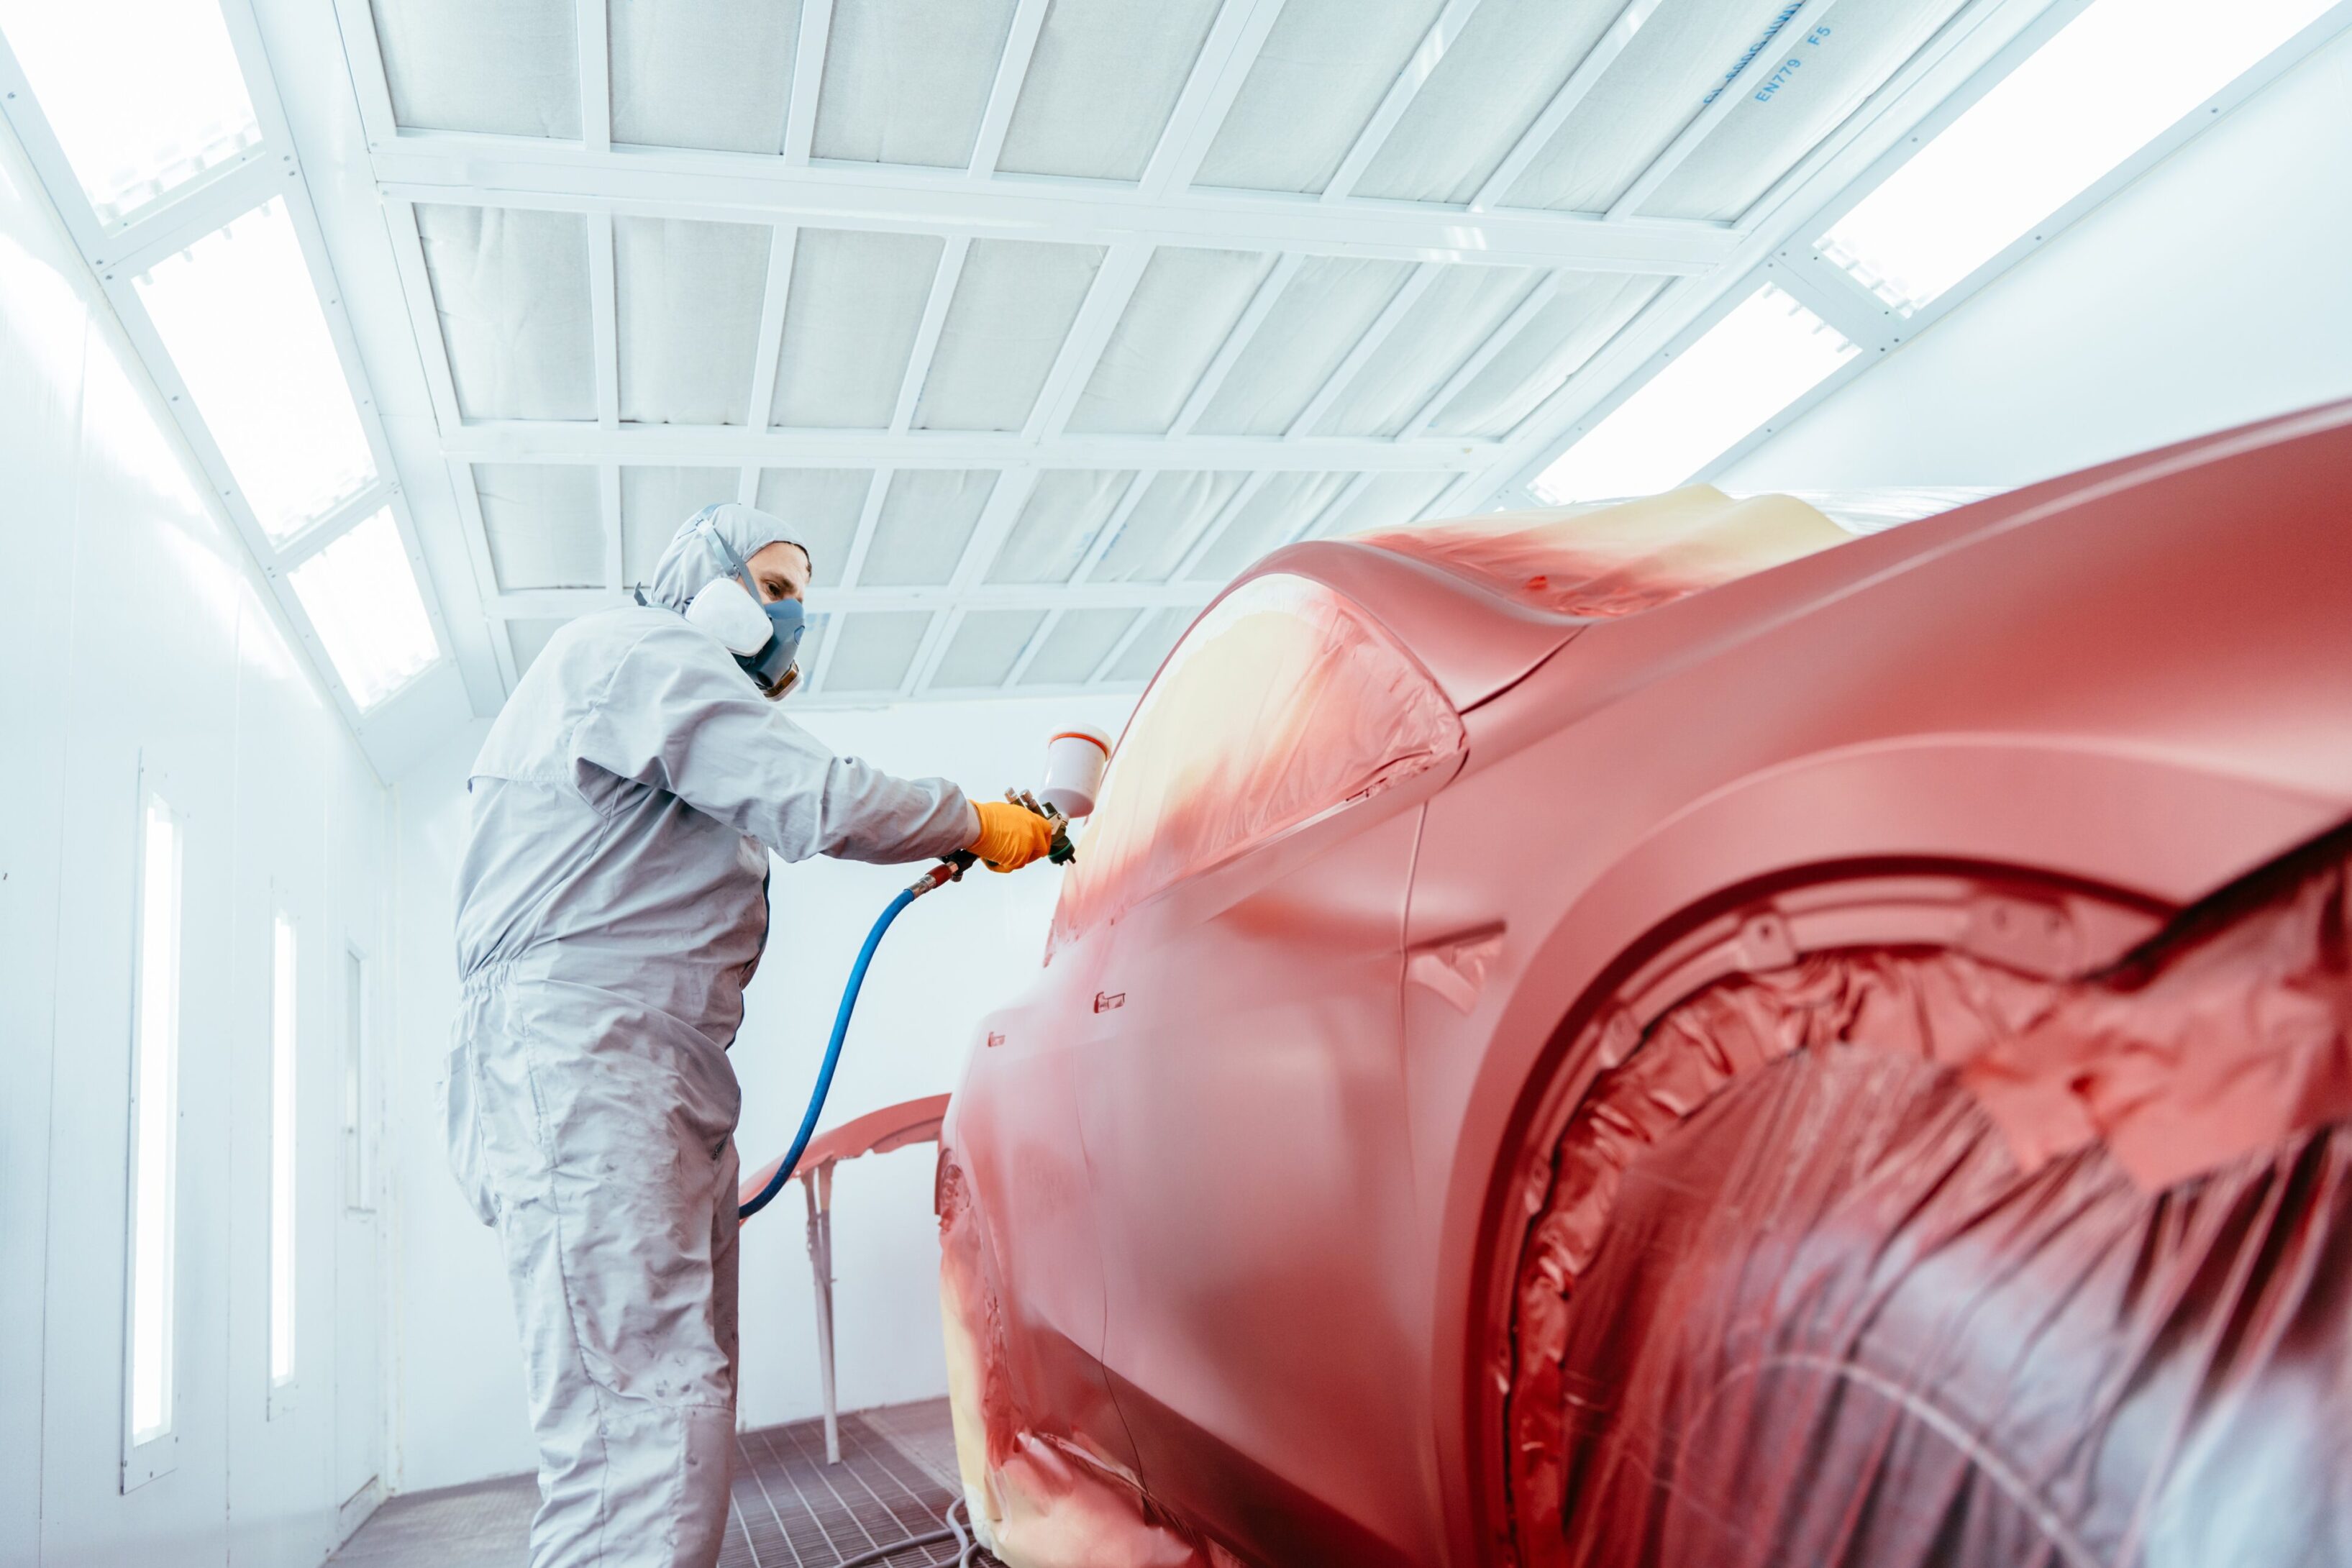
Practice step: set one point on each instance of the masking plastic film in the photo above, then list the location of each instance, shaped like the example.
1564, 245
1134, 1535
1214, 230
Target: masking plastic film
1617, 560
1900, 1256
1282, 703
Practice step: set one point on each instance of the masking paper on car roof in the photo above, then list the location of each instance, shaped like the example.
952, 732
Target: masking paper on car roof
1618, 558
1283, 702
2055, 1263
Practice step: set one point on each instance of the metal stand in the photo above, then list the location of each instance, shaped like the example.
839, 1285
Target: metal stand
817, 1187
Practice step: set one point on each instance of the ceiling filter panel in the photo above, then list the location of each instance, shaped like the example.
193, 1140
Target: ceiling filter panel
874, 649
1509, 61
511, 289
906, 81
1320, 318
1183, 307
511, 68
1013, 306
825, 504
1167, 521
982, 650
689, 318
1790, 96
545, 527
1076, 646
1065, 510
927, 519
1444, 326
1386, 501
1102, 80
1285, 507
714, 74
1683, 56
655, 501
850, 320
1324, 68
1588, 311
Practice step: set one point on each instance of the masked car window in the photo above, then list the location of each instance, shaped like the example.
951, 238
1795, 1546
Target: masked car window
1282, 703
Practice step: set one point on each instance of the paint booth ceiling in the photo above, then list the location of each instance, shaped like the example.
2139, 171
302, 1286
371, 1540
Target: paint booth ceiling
1047, 318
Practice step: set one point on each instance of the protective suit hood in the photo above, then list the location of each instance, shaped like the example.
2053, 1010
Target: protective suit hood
691, 560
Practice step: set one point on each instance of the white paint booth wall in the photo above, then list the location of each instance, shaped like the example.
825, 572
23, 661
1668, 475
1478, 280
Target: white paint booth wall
951, 958
2210, 292
138, 635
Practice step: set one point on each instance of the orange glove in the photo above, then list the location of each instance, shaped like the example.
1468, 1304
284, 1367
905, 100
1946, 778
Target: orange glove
1010, 835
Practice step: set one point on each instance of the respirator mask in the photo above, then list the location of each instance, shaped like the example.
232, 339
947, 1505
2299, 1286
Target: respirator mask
764, 636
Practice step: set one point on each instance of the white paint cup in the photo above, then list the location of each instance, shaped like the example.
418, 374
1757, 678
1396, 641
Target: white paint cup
1074, 759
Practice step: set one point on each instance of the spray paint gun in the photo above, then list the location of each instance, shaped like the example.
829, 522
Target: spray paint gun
1074, 759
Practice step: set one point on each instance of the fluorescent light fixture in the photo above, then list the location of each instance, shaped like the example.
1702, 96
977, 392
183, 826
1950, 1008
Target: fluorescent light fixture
283, 1037
240, 316
143, 95
154, 1128
1766, 353
362, 595
2111, 81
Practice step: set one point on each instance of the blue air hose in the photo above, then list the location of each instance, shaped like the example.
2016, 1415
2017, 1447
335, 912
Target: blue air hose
833, 1050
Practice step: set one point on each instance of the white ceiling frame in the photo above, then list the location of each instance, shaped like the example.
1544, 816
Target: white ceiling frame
1242, 495
1777, 17
595, 76
869, 517
1100, 673
808, 81
1546, 290
768, 356
828, 639
927, 334
1270, 290
1107, 534
1031, 648
1407, 87
1572, 92
1011, 72
1399, 306
470, 169
735, 447
1082, 347
1218, 71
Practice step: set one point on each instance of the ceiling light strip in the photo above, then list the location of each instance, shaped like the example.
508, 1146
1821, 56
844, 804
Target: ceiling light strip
1270, 292
1572, 92
1011, 72
1402, 93
1546, 290
595, 76
927, 335
733, 445
469, 169
1782, 23
1399, 306
808, 81
1082, 347
1224, 63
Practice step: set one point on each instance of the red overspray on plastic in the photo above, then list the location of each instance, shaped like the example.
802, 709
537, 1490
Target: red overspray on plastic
1895, 1217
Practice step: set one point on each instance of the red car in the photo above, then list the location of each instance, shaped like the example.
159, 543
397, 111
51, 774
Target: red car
1669, 1035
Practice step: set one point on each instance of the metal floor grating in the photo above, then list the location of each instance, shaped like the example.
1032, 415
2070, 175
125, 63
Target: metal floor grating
790, 1509
793, 1510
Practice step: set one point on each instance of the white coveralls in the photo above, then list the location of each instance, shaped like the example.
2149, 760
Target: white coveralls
611, 906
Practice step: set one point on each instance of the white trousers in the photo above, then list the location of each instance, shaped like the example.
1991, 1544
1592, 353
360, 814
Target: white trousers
598, 1140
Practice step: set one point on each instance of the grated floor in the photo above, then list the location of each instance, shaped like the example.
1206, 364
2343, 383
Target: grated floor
791, 1509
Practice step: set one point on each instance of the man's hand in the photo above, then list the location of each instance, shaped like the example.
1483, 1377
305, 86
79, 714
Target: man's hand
1010, 835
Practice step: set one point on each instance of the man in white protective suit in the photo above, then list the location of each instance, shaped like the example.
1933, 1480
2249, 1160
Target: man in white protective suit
612, 904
